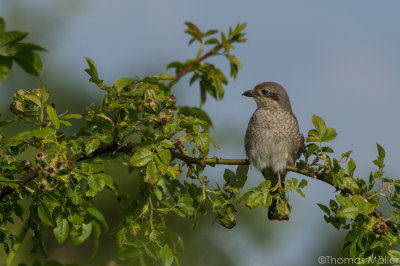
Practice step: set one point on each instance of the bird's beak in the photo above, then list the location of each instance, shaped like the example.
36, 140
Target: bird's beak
249, 93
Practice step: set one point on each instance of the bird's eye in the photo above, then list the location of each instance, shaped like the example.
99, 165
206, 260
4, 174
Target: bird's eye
264, 91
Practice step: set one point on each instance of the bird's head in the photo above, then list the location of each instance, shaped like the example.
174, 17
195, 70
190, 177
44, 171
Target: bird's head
270, 95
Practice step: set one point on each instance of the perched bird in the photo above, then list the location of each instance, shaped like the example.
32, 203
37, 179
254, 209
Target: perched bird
273, 141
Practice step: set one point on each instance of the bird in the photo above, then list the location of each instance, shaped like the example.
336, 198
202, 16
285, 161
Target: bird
273, 141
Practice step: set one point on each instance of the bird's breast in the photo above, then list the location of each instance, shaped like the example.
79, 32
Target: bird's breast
270, 139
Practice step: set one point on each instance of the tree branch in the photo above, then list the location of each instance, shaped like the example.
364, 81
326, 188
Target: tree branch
189, 67
130, 149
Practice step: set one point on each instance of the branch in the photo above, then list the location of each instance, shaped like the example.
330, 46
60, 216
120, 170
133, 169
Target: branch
189, 67
130, 149
25, 180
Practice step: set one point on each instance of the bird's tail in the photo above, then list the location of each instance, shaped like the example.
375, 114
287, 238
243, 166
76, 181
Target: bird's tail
280, 208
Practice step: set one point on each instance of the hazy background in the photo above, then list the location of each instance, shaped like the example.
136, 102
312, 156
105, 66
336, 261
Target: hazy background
337, 59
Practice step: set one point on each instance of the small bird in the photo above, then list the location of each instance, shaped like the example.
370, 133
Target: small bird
273, 141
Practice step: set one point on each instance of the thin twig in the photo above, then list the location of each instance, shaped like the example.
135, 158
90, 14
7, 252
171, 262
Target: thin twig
189, 67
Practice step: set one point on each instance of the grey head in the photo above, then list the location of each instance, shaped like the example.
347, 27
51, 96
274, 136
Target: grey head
270, 95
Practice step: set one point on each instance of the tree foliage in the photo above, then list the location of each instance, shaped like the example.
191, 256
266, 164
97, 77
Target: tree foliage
138, 125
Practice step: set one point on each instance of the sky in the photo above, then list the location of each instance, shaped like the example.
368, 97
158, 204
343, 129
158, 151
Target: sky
337, 59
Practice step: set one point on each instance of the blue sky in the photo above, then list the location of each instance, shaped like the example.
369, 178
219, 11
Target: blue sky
337, 59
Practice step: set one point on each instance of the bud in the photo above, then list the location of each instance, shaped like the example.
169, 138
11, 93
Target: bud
382, 226
149, 93
40, 157
164, 119
150, 105
19, 94
69, 164
37, 92
169, 101
51, 169
17, 107
42, 186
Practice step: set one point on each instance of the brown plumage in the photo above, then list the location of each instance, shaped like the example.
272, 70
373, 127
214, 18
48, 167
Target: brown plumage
273, 141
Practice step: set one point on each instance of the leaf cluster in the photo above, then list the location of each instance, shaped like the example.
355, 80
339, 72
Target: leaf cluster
13, 50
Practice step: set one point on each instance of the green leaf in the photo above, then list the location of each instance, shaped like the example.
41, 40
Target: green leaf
202, 142
141, 157
72, 116
108, 180
97, 233
254, 199
30, 62
96, 184
351, 166
311, 148
33, 98
98, 215
330, 134
92, 71
303, 183
267, 199
324, 208
333, 205
348, 212
266, 184
151, 173
24, 47
394, 254
122, 83
319, 124
241, 171
61, 230
92, 145
2, 25
11, 37
166, 255
53, 116
381, 152
359, 202
174, 171
313, 136
368, 208
196, 113
165, 155
350, 182
164, 76
86, 232
44, 214
185, 204
234, 60
5, 68
345, 201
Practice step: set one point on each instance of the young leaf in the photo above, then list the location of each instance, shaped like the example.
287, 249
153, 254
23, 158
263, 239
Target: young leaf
86, 232
141, 157
164, 154
348, 212
167, 257
324, 208
319, 124
5, 68
30, 62
359, 202
53, 116
61, 230
11, 37
351, 166
44, 214
254, 199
